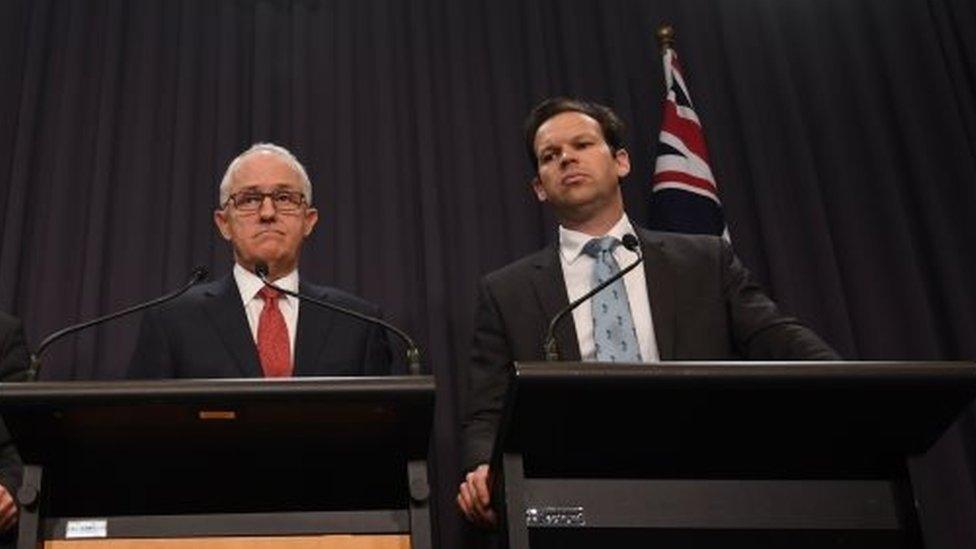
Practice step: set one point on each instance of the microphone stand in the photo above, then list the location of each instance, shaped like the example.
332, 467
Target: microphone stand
198, 275
549, 347
413, 353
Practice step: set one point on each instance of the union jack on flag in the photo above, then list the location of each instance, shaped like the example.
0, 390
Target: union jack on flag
684, 195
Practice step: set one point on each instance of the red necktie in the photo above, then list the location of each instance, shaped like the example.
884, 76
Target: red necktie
274, 348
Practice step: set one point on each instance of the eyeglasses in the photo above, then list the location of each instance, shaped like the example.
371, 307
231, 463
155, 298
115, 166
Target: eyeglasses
251, 201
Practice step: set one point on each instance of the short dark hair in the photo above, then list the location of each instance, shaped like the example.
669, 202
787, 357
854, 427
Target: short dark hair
611, 125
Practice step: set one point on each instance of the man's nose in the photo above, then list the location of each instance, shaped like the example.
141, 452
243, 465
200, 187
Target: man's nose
567, 157
267, 209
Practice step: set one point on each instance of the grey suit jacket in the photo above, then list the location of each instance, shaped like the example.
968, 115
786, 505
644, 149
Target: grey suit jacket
204, 334
704, 306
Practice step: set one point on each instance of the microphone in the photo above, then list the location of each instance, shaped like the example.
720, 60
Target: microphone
549, 347
413, 353
199, 274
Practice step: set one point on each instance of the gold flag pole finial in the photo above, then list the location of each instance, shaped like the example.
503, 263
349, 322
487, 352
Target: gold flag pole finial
665, 37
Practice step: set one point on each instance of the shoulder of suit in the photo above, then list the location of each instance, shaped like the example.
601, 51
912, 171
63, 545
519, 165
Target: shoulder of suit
209, 289
342, 298
680, 242
519, 269
197, 294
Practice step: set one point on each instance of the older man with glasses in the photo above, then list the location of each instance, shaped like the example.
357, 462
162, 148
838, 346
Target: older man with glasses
237, 327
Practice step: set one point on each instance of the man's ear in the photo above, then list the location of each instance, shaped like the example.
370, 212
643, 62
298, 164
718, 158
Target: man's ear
311, 218
540, 191
622, 159
222, 223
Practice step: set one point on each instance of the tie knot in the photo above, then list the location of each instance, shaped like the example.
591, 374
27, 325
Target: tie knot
269, 295
597, 246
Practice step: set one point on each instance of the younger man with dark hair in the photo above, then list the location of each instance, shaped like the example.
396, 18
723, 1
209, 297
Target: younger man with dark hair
693, 299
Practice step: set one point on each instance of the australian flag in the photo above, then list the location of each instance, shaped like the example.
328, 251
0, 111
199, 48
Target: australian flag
684, 195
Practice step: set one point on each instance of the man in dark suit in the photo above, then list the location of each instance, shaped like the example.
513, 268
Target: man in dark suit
235, 327
13, 364
693, 299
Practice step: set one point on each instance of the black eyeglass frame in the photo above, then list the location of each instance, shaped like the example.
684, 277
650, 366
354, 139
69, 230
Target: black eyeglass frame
292, 200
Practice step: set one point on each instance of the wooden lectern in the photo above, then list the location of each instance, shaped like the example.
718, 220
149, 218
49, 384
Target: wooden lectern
720, 454
298, 463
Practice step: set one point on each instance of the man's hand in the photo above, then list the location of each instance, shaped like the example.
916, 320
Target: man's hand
8, 510
474, 498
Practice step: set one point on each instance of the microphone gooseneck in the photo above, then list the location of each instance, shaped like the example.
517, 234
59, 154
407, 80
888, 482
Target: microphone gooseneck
413, 353
199, 274
549, 346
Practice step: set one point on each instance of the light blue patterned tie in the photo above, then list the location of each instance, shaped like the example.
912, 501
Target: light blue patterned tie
613, 327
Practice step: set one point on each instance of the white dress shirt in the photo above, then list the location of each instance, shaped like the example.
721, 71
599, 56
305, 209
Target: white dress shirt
578, 274
249, 285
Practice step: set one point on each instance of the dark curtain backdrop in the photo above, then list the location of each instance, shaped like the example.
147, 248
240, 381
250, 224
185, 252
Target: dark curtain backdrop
842, 134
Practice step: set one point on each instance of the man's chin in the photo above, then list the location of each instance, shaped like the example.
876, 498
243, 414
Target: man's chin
269, 259
581, 200
280, 265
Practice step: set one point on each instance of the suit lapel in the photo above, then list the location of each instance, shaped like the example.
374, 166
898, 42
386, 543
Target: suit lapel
314, 325
225, 309
660, 277
550, 287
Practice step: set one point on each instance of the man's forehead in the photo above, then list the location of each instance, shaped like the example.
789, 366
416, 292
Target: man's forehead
566, 125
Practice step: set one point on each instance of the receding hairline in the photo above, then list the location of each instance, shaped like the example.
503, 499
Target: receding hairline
268, 148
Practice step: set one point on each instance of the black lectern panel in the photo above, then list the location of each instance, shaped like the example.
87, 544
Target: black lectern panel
698, 449
222, 451
755, 419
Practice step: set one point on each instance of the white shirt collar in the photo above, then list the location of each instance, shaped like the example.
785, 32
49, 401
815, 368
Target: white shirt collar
249, 284
571, 242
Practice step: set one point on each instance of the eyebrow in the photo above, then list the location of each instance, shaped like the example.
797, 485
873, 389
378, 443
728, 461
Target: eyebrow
274, 186
574, 137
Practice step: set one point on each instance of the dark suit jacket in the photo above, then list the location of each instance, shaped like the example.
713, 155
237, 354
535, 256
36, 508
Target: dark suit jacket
13, 363
704, 306
204, 334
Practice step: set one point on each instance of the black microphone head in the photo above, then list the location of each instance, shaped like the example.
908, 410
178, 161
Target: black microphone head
200, 273
261, 269
630, 242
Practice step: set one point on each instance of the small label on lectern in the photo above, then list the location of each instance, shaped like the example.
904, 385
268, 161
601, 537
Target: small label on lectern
555, 517
86, 529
